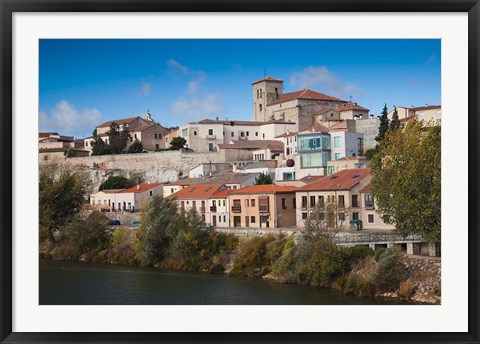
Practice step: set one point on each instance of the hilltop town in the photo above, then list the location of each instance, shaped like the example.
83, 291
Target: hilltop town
310, 146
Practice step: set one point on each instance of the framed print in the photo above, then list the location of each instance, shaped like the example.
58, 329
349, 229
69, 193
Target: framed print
153, 208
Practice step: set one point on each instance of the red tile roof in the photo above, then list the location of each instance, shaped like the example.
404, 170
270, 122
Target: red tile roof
140, 188
367, 189
118, 121
350, 106
142, 128
305, 94
287, 134
311, 179
43, 135
267, 188
316, 128
268, 78
406, 119
339, 125
221, 194
427, 107
198, 191
342, 180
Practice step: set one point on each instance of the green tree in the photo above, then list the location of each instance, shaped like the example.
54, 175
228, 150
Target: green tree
395, 123
118, 138
136, 147
328, 217
177, 143
391, 270
99, 147
406, 180
384, 125
160, 224
263, 178
116, 182
61, 195
89, 235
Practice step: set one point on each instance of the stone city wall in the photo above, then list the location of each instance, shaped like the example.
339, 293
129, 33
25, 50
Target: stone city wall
160, 167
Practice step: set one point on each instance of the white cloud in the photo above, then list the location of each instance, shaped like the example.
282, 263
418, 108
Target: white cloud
67, 120
199, 107
325, 80
175, 66
145, 89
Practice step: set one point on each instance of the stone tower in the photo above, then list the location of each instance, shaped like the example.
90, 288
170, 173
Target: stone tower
265, 91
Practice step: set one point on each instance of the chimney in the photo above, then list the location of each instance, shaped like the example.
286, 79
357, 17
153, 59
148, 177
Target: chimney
216, 118
138, 186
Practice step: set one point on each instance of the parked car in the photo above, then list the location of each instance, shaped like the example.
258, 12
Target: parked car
114, 223
136, 224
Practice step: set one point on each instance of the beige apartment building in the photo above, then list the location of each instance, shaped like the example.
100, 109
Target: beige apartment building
262, 206
371, 219
219, 209
341, 189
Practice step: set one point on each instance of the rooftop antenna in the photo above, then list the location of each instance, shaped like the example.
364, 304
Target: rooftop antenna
264, 72
350, 98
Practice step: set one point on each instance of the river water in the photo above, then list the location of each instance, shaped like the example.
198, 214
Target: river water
76, 283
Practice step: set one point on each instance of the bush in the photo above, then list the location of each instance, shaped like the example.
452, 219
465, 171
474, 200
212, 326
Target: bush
359, 286
391, 270
123, 247
405, 290
378, 253
358, 253
252, 257
284, 266
89, 235
136, 147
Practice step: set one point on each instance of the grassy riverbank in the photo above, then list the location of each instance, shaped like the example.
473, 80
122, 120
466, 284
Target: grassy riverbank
183, 243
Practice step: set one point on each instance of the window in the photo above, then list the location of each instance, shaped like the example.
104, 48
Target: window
156, 137
304, 201
321, 200
253, 202
284, 203
45, 157
260, 93
247, 203
354, 201
223, 202
260, 107
294, 203
341, 201
331, 169
338, 156
210, 146
355, 216
151, 193
312, 201
252, 219
157, 146
224, 218
129, 205
336, 141
288, 151
341, 216
360, 146
263, 136
135, 136
232, 134
248, 133
184, 132
256, 133
159, 136
369, 201
242, 134
304, 216
210, 131
195, 133
370, 218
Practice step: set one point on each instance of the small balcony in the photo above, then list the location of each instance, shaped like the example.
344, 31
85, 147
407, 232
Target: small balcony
236, 208
202, 209
211, 137
242, 138
213, 208
263, 208
369, 205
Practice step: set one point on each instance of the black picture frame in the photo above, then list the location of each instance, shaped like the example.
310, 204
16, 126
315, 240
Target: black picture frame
9, 7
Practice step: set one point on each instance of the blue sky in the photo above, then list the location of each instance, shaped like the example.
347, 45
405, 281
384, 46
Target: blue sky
86, 82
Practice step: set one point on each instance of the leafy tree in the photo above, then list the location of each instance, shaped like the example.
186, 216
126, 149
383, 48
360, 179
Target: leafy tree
116, 182
371, 152
160, 224
391, 270
263, 178
99, 147
61, 196
384, 124
395, 123
177, 143
328, 217
91, 234
136, 147
118, 138
406, 180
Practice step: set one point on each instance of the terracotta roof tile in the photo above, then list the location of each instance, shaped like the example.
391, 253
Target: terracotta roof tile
221, 194
406, 119
199, 191
315, 128
350, 106
118, 121
367, 189
268, 78
311, 179
427, 107
342, 180
142, 188
267, 188
305, 94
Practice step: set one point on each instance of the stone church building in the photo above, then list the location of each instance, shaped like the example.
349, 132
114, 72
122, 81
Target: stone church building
300, 107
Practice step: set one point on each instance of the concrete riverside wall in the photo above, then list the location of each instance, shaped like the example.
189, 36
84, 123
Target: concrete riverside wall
158, 167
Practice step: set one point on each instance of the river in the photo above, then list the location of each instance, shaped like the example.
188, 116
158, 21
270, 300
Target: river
76, 283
